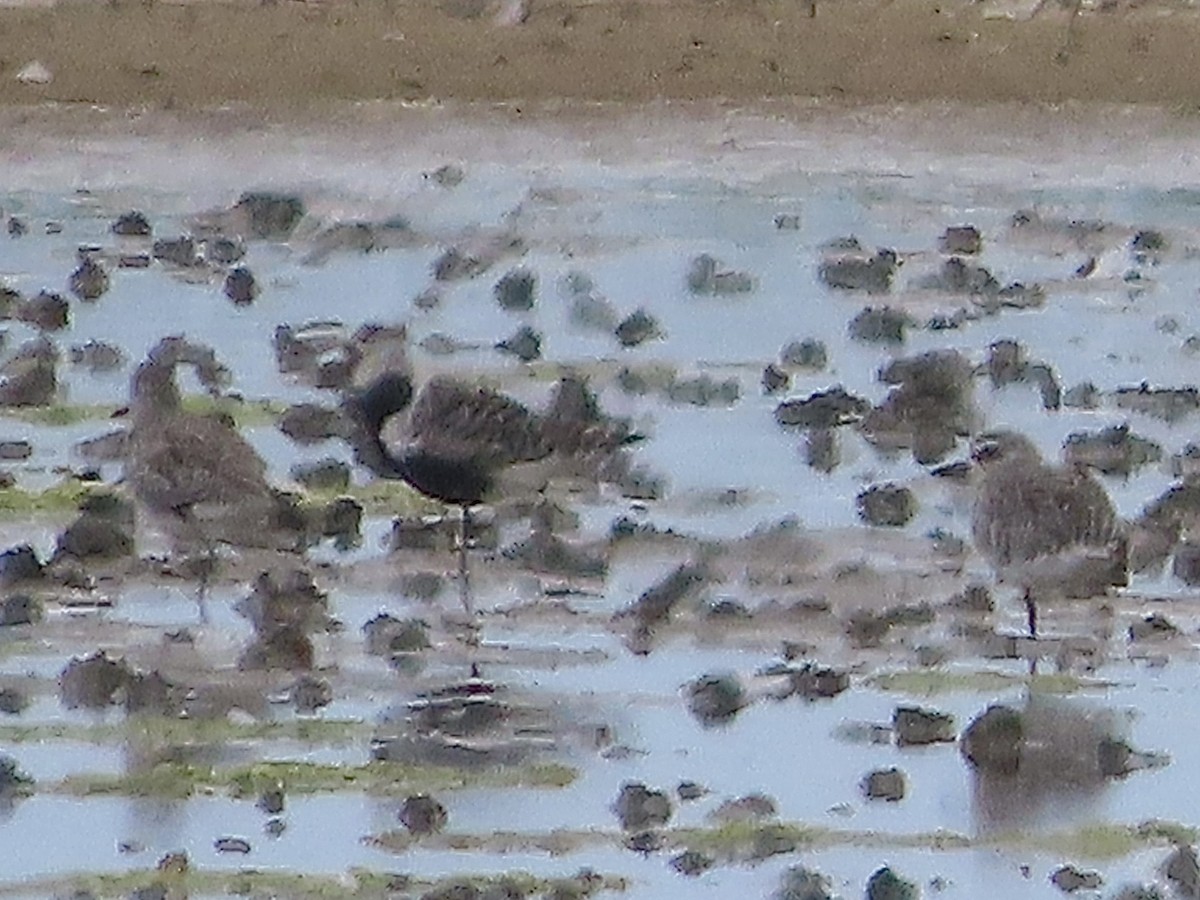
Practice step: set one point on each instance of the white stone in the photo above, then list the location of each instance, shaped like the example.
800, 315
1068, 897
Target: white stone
35, 73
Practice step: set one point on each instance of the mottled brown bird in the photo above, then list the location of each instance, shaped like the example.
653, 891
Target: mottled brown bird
194, 469
1044, 527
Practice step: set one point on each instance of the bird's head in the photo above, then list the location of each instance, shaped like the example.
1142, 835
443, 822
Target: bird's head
993, 447
387, 395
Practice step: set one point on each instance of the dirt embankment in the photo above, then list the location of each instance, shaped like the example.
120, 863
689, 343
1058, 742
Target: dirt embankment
292, 53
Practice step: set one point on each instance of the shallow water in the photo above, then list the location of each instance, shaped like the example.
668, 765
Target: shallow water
630, 205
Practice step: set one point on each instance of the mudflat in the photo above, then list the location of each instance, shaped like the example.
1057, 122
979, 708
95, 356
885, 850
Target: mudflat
199, 54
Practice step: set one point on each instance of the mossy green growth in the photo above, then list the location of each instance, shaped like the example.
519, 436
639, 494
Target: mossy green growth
931, 682
245, 413
59, 414
381, 778
357, 884
382, 497
62, 497
152, 730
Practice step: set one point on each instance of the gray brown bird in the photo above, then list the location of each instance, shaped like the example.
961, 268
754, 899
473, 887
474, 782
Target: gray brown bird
1043, 527
195, 469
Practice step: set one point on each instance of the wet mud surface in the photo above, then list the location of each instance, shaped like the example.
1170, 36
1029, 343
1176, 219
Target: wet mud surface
753, 634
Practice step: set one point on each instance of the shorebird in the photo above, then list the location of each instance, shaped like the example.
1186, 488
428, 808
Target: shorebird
456, 439
1044, 527
192, 468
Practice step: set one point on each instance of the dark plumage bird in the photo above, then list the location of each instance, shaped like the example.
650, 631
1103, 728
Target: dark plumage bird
457, 437
191, 468
1044, 527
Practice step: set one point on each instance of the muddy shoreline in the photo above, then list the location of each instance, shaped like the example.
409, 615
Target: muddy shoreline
291, 55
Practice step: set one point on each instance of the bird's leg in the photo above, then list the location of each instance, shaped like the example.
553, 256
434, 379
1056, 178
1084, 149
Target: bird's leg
210, 563
464, 584
1031, 613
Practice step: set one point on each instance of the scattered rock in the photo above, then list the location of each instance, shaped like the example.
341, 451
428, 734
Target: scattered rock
884, 784
1084, 395
268, 216
1167, 404
97, 356
799, 883
240, 286
787, 221
19, 609
879, 325
525, 344
716, 699
774, 379
93, 682
957, 276
823, 409
853, 272
13, 702
637, 328
310, 694
179, 252
271, 801
422, 814
515, 291
1183, 871
45, 311
386, 635
89, 281
14, 450
885, 884
704, 390
809, 354
705, 277
657, 602
1069, 879
638, 808
310, 423
961, 239
690, 790
446, 176
327, 474
12, 780
813, 682
750, 808
692, 863
914, 726
1151, 627
19, 564
1147, 245
889, 505
231, 845
132, 224
224, 251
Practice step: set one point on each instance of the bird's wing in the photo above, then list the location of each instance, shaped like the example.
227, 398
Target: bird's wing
1024, 512
460, 421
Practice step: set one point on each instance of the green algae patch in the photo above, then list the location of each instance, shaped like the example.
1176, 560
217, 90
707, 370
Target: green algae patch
158, 730
558, 842
1104, 841
63, 497
59, 414
245, 413
355, 884
932, 682
381, 497
180, 780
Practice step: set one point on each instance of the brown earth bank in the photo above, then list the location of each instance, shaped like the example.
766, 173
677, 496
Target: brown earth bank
290, 53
